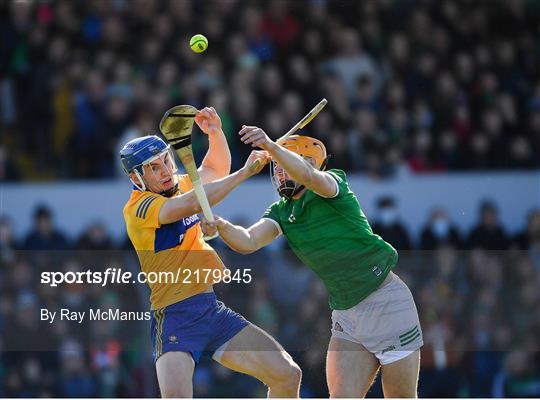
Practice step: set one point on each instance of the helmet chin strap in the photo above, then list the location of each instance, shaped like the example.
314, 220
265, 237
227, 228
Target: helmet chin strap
170, 192
289, 188
141, 186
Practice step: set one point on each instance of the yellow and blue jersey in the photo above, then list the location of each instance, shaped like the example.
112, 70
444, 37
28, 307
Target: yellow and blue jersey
177, 248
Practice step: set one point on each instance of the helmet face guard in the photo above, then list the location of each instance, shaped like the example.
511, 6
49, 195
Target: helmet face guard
285, 186
153, 166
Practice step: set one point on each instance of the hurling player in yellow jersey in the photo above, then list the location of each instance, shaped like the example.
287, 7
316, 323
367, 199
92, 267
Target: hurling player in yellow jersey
162, 223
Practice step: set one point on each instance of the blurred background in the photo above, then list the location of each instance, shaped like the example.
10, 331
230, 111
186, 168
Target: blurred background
434, 112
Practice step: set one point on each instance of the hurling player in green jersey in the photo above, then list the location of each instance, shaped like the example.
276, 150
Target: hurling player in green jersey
374, 319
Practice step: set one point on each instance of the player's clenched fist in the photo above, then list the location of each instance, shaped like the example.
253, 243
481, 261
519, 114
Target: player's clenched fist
255, 136
256, 162
211, 228
208, 120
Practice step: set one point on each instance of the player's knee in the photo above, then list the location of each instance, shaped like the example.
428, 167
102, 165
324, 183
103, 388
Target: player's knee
295, 374
288, 375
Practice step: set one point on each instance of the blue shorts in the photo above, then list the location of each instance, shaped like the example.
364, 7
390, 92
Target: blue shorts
195, 325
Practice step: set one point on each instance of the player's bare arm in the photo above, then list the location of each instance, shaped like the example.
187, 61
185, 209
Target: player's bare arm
186, 204
217, 162
240, 239
299, 169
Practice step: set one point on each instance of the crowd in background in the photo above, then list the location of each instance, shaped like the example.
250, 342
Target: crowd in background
435, 85
477, 295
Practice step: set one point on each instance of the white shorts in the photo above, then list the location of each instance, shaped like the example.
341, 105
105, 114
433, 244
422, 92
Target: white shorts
386, 322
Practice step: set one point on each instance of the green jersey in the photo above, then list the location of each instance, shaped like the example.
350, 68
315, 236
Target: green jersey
332, 236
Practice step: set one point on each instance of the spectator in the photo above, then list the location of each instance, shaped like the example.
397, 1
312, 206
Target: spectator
352, 62
488, 234
258, 42
449, 153
421, 158
7, 241
365, 97
262, 311
90, 114
44, 235
75, 380
388, 225
439, 232
531, 234
8, 169
280, 25
126, 244
95, 238
519, 377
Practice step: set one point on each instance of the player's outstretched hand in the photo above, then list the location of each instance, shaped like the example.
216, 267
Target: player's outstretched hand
255, 136
208, 120
256, 162
211, 228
